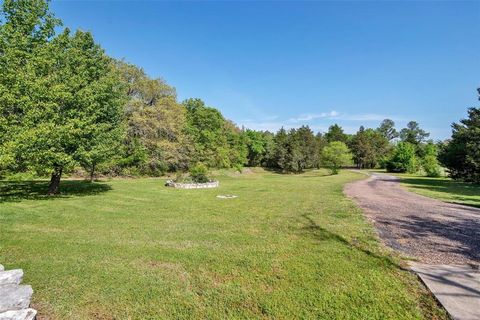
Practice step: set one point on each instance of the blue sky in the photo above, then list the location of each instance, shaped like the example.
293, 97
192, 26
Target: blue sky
268, 64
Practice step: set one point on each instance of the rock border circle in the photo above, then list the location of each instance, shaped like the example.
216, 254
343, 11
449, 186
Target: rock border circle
179, 185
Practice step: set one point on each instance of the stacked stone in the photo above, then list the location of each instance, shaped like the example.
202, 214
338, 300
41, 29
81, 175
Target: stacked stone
15, 297
179, 185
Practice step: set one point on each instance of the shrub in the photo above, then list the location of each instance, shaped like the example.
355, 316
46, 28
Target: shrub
403, 159
335, 155
199, 172
430, 161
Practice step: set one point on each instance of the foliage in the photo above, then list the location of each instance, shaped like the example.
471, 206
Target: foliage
430, 162
413, 134
216, 141
335, 133
461, 155
156, 140
296, 150
199, 173
336, 155
257, 147
65, 103
387, 130
403, 159
368, 147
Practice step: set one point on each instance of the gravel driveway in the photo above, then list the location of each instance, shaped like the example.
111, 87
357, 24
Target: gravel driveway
430, 230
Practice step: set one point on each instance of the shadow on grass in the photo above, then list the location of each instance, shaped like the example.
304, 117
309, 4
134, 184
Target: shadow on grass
458, 192
322, 234
307, 173
12, 191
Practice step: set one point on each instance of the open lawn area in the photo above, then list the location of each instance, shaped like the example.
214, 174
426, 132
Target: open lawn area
444, 189
290, 246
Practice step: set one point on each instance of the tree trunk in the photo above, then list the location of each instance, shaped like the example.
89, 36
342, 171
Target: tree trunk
92, 173
54, 186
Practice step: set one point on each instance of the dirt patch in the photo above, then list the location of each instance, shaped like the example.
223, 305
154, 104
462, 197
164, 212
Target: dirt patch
429, 230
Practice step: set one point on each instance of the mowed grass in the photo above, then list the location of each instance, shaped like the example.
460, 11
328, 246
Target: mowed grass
444, 189
289, 247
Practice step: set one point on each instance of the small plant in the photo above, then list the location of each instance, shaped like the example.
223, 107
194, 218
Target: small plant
199, 172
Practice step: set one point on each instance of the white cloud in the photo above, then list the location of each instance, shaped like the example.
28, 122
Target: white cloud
335, 115
364, 117
314, 116
318, 122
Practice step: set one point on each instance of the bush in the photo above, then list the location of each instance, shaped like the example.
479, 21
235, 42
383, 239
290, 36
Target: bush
431, 167
430, 162
199, 173
335, 155
403, 159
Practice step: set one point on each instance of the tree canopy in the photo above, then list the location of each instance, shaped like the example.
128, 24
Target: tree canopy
461, 154
66, 99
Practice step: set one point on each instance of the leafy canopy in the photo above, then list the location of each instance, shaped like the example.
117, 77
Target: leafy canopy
461, 155
336, 155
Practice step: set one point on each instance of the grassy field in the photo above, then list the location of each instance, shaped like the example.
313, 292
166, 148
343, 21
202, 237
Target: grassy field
444, 189
290, 246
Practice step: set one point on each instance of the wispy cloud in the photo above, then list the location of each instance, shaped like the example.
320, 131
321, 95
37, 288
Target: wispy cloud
365, 117
264, 125
335, 115
317, 121
314, 116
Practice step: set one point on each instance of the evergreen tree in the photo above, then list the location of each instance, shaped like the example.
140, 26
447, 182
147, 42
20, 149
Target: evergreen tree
413, 134
461, 155
281, 151
369, 147
335, 133
387, 130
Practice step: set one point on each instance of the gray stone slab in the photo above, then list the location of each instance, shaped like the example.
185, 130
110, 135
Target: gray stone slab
456, 287
11, 276
23, 314
15, 297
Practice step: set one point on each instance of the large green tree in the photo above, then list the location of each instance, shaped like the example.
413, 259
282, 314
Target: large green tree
156, 140
336, 155
217, 142
368, 147
387, 129
26, 27
256, 144
66, 97
461, 154
413, 133
336, 133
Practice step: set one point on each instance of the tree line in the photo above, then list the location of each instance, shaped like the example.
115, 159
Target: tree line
65, 104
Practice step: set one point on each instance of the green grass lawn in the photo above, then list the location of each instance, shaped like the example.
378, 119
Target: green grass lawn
444, 189
290, 246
